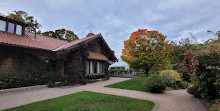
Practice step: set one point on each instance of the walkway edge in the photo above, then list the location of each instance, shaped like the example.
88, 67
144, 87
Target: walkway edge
21, 88
155, 108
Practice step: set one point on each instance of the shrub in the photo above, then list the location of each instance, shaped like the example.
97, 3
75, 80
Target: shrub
186, 74
129, 71
172, 73
51, 84
183, 84
207, 76
194, 91
122, 71
114, 71
216, 106
168, 80
155, 84
111, 71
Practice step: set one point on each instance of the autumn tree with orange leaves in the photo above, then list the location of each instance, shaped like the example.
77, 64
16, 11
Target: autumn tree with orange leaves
146, 50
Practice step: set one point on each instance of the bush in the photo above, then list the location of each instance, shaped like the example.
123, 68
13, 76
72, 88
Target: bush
216, 106
186, 74
51, 84
155, 84
172, 73
168, 80
122, 71
183, 84
129, 71
194, 91
207, 76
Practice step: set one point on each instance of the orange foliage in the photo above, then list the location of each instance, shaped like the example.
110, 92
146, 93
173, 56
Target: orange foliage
146, 49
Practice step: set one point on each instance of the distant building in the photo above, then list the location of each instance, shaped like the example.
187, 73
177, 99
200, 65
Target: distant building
120, 65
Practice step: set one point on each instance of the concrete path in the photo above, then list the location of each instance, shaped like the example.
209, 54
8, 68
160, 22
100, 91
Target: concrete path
178, 100
13, 99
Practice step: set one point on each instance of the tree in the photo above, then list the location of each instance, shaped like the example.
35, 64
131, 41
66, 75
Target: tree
62, 34
146, 50
215, 33
23, 16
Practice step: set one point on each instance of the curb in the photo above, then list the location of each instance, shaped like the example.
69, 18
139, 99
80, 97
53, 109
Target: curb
155, 108
22, 88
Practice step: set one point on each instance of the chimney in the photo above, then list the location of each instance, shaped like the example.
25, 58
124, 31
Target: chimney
90, 33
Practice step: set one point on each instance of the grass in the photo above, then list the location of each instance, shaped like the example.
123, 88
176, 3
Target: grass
88, 101
132, 84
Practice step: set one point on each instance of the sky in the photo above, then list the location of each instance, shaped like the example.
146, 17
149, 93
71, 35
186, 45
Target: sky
117, 19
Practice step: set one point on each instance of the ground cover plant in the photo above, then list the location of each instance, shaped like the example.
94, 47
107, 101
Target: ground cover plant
88, 101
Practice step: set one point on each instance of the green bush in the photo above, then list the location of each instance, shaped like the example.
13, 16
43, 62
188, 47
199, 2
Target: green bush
155, 84
183, 84
168, 80
111, 71
122, 71
207, 76
129, 71
51, 84
194, 91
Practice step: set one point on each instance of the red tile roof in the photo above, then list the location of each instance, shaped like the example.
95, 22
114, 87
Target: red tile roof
42, 42
48, 43
74, 43
97, 56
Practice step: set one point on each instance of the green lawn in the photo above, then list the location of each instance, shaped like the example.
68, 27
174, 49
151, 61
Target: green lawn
88, 101
132, 84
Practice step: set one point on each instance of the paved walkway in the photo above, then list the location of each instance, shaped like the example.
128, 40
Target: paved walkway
178, 100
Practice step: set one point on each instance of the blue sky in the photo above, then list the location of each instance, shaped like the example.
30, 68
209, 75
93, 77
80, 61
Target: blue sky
117, 19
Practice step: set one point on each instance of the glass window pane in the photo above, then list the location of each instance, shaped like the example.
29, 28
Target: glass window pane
100, 67
87, 66
19, 29
91, 67
11, 27
2, 25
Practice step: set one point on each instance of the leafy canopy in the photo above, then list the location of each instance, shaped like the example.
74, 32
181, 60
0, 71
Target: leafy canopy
146, 50
62, 34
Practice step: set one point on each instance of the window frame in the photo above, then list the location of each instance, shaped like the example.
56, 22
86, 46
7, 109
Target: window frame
4, 24
13, 27
94, 67
16, 29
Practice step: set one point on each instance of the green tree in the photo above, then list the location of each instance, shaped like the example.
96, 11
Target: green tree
146, 50
62, 34
23, 16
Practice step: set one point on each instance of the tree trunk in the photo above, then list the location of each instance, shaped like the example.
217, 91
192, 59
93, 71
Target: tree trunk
147, 70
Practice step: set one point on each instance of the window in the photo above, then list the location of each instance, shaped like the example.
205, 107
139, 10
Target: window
91, 67
94, 66
100, 67
87, 66
19, 29
2, 25
11, 27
